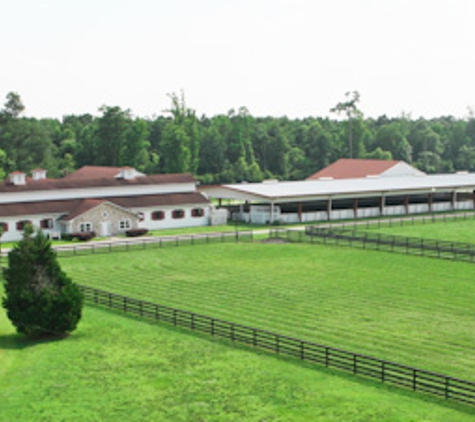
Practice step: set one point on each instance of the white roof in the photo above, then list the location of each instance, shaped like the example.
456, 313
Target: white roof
308, 189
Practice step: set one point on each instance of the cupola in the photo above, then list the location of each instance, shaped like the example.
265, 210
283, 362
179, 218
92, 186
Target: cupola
18, 178
38, 174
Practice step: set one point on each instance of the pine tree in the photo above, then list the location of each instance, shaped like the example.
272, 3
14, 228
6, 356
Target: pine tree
41, 300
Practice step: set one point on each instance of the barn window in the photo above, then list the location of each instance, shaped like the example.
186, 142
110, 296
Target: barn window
197, 212
47, 223
20, 225
4, 227
178, 214
158, 215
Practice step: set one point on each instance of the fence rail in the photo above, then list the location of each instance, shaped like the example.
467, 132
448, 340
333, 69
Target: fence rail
433, 248
403, 220
81, 249
385, 371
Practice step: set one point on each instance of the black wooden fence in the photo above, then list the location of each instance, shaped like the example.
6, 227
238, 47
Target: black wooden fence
385, 371
403, 220
433, 248
80, 249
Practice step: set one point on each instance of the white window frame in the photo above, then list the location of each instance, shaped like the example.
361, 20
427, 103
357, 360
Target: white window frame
125, 224
85, 227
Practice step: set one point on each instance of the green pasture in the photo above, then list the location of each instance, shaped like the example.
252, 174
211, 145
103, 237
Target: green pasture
116, 368
460, 230
407, 309
455, 231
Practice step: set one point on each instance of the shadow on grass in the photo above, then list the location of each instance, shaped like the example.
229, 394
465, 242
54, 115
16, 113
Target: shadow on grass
15, 341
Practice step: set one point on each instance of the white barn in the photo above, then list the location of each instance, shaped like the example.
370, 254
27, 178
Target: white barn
106, 200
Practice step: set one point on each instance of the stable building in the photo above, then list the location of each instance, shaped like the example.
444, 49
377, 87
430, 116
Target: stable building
333, 198
106, 200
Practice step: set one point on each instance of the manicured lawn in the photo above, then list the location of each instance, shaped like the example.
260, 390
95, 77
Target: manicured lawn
407, 309
457, 231
115, 368
207, 229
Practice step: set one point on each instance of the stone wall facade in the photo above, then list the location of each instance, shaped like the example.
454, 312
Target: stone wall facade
105, 220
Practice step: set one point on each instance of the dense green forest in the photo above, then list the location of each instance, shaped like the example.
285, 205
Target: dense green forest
231, 147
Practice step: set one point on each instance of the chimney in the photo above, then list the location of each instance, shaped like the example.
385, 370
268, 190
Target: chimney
17, 178
38, 174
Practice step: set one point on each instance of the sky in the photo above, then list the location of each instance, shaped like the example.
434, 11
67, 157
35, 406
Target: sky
294, 58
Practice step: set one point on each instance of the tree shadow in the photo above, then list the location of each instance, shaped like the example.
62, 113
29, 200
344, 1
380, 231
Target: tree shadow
18, 342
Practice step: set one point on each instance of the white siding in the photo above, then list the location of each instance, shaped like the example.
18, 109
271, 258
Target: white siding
170, 223
13, 235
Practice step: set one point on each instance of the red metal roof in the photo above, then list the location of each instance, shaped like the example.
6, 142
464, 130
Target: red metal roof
72, 183
350, 168
82, 207
78, 206
93, 172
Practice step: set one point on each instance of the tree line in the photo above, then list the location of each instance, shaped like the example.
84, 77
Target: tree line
231, 147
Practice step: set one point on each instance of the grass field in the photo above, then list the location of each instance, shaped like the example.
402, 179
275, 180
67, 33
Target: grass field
115, 368
407, 309
456, 231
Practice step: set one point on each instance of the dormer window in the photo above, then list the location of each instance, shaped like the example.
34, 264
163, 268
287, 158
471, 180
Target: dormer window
17, 178
127, 173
